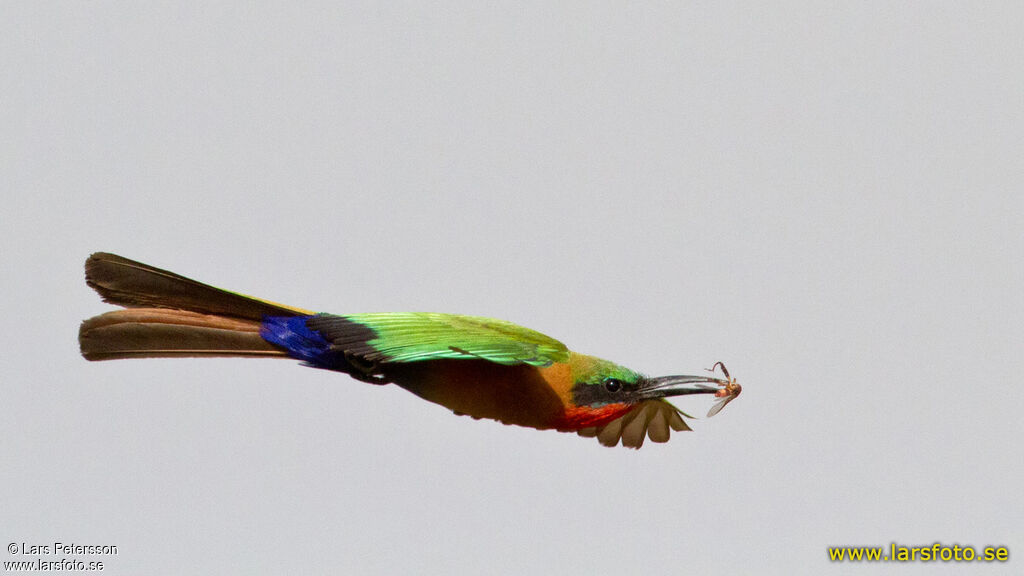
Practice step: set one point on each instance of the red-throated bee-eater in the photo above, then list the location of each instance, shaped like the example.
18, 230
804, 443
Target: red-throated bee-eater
480, 367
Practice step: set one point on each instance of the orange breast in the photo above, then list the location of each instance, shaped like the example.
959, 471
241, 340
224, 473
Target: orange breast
522, 395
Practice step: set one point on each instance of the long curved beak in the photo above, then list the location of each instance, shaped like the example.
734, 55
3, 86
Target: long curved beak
665, 386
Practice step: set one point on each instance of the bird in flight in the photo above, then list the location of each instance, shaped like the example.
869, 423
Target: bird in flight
481, 367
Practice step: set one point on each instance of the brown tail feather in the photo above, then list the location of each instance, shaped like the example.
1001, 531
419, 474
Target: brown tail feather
157, 333
133, 284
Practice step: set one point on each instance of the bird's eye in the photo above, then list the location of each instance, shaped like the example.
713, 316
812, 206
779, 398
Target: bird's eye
612, 385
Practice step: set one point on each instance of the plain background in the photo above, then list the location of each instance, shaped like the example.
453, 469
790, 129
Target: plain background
827, 197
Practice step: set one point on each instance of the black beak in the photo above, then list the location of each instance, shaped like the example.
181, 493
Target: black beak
665, 386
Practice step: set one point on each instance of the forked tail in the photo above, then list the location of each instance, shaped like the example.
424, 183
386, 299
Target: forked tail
169, 315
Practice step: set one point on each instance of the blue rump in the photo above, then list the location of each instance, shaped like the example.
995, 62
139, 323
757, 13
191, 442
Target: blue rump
291, 333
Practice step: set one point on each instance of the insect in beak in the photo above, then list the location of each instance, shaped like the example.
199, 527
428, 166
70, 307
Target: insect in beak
727, 394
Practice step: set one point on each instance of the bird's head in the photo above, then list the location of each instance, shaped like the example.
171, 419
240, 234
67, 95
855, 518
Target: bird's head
598, 383
612, 402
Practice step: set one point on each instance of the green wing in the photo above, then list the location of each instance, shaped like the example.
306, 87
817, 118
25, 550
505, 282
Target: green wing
418, 336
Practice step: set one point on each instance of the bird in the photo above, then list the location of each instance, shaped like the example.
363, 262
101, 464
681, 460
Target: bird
480, 367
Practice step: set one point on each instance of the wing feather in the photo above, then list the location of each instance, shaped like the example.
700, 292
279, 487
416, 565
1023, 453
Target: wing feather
420, 336
651, 419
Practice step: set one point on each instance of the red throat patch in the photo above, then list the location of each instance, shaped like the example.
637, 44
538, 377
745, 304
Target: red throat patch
579, 417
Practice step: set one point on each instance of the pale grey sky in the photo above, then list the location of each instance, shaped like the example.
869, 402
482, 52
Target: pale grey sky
827, 198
